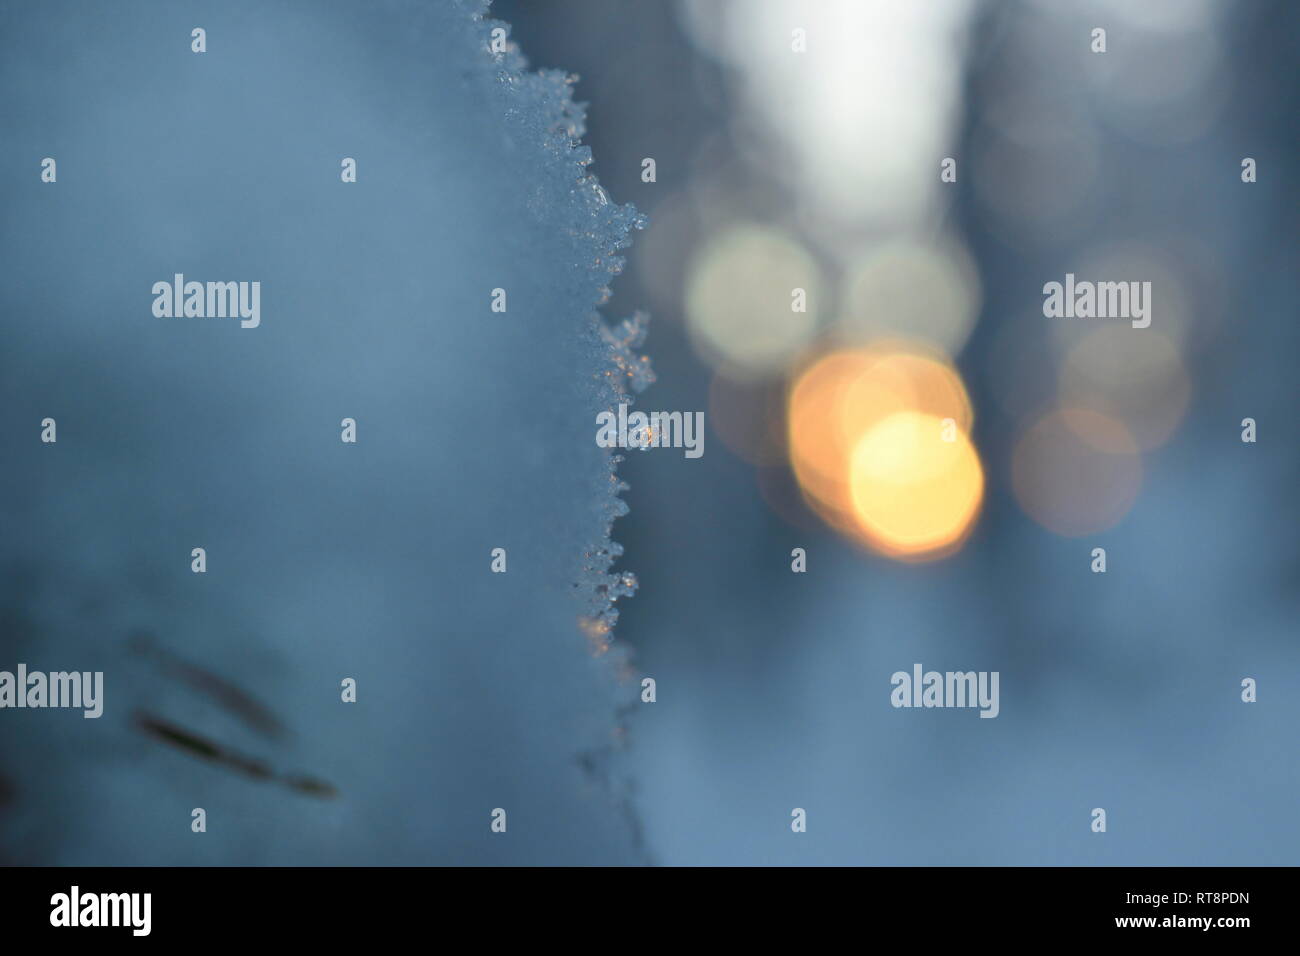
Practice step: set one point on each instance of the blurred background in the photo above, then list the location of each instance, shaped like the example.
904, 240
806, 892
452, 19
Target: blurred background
817, 286
800, 145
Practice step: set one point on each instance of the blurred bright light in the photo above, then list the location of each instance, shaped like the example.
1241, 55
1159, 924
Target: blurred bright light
906, 288
739, 301
839, 401
914, 494
865, 113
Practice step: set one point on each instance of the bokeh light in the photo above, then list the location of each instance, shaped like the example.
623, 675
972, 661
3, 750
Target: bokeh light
840, 401
915, 493
1136, 377
926, 291
1076, 471
811, 105
739, 303
1134, 260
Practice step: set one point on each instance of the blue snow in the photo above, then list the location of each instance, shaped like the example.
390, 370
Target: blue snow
325, 560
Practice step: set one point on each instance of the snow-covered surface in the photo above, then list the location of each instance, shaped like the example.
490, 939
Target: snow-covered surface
476, 430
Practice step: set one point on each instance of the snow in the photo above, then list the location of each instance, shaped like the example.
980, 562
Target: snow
326, 560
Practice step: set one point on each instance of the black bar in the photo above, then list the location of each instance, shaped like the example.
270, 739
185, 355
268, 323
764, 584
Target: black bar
319, 905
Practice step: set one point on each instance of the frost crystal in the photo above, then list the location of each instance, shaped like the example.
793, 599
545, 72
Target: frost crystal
326, 561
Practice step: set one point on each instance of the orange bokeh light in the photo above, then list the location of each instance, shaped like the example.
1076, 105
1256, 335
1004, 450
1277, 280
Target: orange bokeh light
873, 455
915, 493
